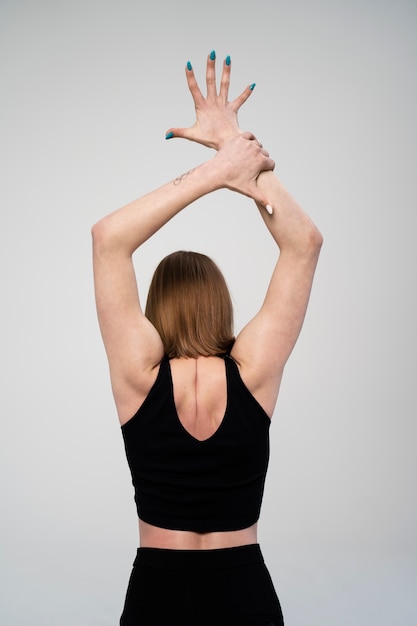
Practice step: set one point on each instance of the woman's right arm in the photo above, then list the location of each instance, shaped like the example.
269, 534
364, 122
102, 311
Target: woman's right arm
132, 344
263, 346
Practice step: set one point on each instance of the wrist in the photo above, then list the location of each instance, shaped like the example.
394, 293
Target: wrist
226, 138
202, 179
213, 172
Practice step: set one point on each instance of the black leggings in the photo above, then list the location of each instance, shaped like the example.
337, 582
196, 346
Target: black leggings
226, 587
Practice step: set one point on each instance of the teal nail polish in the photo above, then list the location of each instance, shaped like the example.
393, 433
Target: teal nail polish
228, 60
169, 135
252, 87
189, 66
212, 55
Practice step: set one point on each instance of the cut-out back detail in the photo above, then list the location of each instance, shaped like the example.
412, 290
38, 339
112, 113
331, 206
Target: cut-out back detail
195, 415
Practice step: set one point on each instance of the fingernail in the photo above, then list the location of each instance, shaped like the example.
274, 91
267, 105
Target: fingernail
189, 66
228, 60
269, 209
212, 55
169, 135
252, 87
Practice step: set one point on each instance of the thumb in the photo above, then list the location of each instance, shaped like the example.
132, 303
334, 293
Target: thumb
260, 199
182, 133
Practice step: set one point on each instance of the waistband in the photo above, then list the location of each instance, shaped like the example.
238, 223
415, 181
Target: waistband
199, 559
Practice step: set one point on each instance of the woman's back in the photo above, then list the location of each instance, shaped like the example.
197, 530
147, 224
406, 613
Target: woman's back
198, 451
200, 394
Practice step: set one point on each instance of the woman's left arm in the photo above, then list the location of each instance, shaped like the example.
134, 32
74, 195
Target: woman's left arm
263, 346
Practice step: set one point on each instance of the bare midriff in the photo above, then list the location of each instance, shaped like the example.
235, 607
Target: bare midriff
154, 537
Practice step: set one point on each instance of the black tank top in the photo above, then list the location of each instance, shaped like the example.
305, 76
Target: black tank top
182, 483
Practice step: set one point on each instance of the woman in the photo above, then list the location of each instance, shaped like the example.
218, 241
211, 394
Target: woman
193, 402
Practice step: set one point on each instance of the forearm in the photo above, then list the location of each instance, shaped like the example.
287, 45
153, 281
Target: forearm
290, 226
124, 230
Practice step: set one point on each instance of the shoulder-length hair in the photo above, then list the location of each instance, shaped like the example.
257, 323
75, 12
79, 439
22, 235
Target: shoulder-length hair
190, 306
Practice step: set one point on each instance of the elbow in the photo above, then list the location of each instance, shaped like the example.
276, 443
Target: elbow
108, 239
305, 244
101, 236
97, 229
313, 241
97, 233
316, 239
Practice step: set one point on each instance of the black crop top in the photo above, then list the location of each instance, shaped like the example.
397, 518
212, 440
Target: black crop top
182, 483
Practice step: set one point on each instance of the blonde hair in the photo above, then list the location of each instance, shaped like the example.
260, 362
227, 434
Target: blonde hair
190, 306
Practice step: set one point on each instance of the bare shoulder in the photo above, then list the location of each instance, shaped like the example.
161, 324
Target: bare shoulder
261, 377
130, 392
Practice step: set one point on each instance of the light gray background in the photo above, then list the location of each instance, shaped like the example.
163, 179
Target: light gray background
88, 89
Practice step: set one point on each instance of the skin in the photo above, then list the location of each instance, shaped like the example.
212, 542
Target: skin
133, 345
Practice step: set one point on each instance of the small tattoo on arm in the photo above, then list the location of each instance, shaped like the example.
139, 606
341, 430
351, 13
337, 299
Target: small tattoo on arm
179, 179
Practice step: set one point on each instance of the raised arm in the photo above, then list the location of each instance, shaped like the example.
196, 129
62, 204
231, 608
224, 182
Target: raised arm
264, 345
133, 345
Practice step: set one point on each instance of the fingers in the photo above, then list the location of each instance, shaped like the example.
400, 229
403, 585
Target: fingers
211, 83
211, 75
262, 202
225, 81
248, 135
237, 102
251, 137
260, 199
268, 164
192, 84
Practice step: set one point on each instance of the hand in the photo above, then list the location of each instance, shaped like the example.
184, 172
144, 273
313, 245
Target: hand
216, 118
240, 162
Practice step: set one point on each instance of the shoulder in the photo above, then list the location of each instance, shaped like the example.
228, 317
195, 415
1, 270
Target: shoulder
130, 392
261, 379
